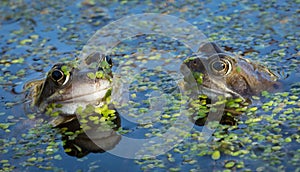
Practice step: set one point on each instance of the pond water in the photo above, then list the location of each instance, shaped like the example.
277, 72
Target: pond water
35, 35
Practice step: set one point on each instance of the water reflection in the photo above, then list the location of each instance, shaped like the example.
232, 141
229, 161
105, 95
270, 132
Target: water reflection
77, 143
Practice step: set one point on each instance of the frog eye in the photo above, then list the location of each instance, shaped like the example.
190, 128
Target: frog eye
109, 61
221, 66
59, 77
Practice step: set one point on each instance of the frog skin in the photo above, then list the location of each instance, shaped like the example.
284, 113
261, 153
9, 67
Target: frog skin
66, 88
224, 73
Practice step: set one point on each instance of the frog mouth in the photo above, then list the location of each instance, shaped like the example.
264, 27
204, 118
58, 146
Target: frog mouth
213, 89
78, 96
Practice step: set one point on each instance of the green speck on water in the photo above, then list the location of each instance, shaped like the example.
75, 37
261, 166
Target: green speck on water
288, 111
40, 159
25, 41
127, 56
224, 38
133, 95
229, 164
240, 165
270, 103
288, 140
21, 72
238, 100
276, 148
255, 97
105, 111
31, 116
5, 126
202, 114
34, 36
148, 126
32, 159
57, 157
123, 2
285, 94
276, 110
19, 60
265, 93
173, 169
293, 97
18, 32
253, 109
10, 117
4, 161
63, 29
155, 57
216, 155
166, 116
222, 18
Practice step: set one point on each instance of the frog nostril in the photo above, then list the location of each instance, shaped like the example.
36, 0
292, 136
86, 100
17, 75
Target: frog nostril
276, 86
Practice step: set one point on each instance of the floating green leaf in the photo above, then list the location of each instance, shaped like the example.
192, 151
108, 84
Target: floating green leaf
216, 155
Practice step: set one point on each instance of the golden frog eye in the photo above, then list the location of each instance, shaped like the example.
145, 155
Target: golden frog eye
59, 77
221, 66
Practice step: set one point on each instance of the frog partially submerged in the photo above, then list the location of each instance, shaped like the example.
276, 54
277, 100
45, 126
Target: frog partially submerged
223, 73
66, 88
67, 91
78, 101
217, 72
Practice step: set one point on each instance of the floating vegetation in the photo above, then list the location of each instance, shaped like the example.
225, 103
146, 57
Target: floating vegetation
264, 133
263, 137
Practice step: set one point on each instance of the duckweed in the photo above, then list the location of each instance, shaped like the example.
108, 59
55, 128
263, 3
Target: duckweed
66, 69
276, 130
216, 155
229, 164
5, 126
25, 41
